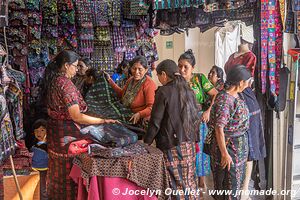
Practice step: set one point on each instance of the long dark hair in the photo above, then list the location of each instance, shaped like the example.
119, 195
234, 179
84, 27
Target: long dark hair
237, 74
220, 73
54, 68
188, 105
189, 56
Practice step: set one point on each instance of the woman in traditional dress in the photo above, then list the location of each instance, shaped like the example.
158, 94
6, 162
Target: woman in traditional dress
174, 126
216, 77
65, 108
138, 92
229, 125
205, 94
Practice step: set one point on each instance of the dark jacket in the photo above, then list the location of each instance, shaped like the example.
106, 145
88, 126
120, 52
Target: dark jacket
165, 124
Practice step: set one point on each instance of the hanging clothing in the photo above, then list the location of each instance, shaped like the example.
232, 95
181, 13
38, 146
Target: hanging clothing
257, 147
248, 59
232, 114
227, 46
7, 140
14, 98
201, 86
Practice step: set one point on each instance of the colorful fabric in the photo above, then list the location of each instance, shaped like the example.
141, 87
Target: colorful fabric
230, 113
202, 159
278, 45
237, 148
114, 12
282, 10
110, 135
180, 163
128, 151
272, 45
290, 19
14, 98
100, 14
264, 44
257, 147
67, 33
60, 185
138, 169
36, 74
7, 139
171, 4
49, 26
21, 159
201, 85
85, 24
102, 101
17, 75
103, 58
118, 37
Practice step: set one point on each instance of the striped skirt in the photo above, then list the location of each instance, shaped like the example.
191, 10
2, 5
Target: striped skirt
60, 185
238, 149
180, 163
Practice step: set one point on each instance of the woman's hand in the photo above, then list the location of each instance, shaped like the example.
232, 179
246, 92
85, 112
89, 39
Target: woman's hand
205, 116
111, 121
135, 118
107, 76
226, 161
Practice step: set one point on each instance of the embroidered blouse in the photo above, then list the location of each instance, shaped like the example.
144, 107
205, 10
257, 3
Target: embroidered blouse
230, 113
63, 94
201, 86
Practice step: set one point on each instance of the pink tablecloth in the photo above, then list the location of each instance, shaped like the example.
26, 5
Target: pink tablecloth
108, 188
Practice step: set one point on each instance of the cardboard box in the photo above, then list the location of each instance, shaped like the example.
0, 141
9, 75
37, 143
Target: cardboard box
30, 187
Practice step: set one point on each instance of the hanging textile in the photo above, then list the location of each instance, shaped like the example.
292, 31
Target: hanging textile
173, 4
279, 44
50, 25
7, 140
118, 37
290, 16
100, 13
225, 47
272, 45
264, 44
103, 58
67, 33
85, 26
14, 98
